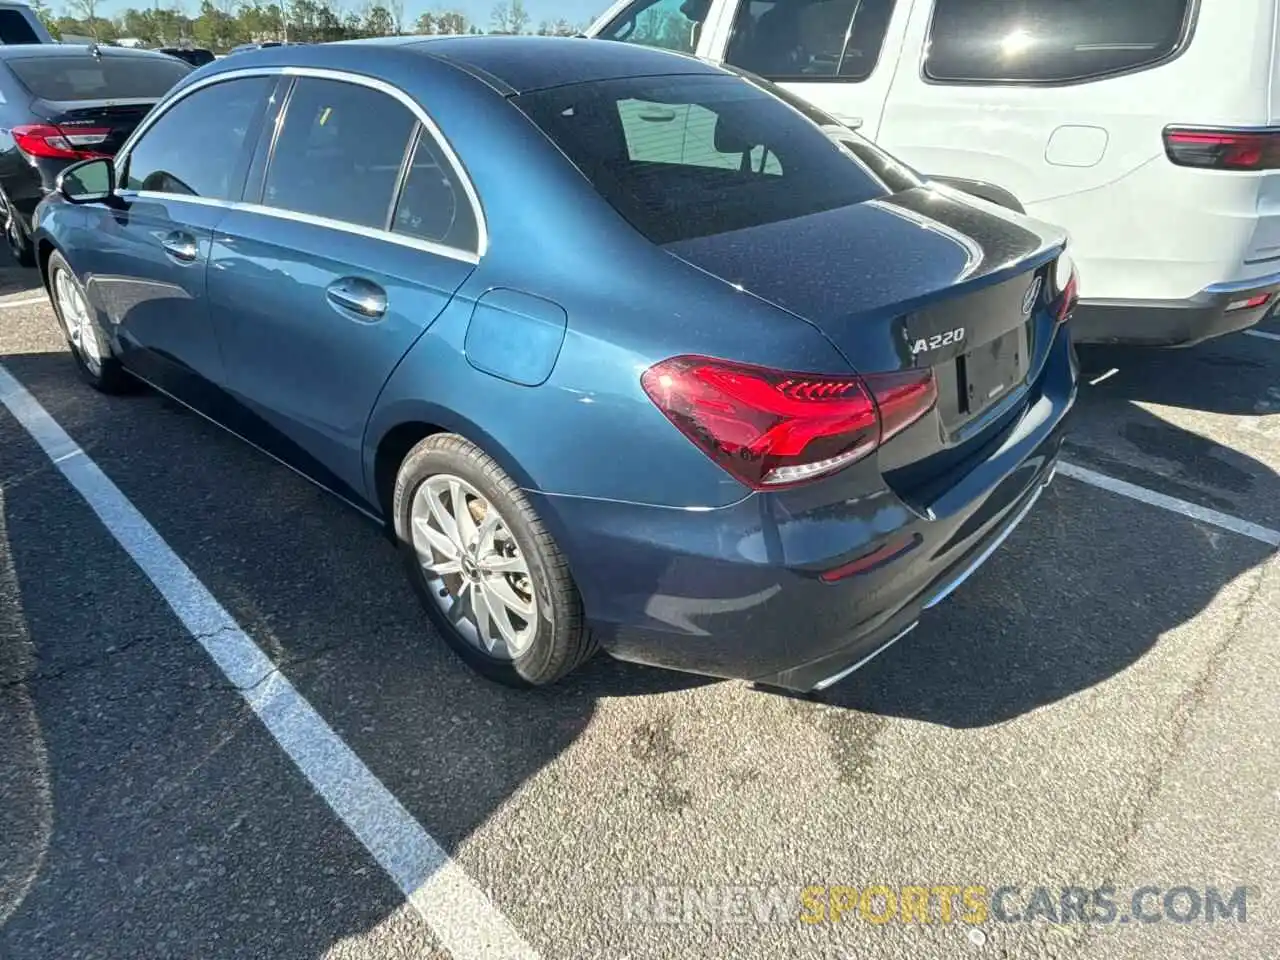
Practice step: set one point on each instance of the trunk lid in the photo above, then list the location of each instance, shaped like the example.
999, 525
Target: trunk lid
924, 277
116, 118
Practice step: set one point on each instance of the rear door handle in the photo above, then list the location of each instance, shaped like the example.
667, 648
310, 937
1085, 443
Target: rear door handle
362, 297
853, 123
181, 246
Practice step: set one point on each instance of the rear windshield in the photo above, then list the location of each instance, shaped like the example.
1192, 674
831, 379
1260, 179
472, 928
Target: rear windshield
690, 156
197, 58
1049, 41
91, 78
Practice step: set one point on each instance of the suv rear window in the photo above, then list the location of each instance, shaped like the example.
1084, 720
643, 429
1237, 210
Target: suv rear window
1047, 41
15, 28
93, 78
684, 157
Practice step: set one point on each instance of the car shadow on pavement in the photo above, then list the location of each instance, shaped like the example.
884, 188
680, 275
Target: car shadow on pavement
321, 590
1233, 375
14, 281
1086, 586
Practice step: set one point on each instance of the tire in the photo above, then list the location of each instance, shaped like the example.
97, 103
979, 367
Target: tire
16, 237
554, 639
94, 360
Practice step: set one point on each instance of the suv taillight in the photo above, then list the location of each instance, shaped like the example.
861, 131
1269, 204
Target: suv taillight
56, 143
773, 428
1223, 149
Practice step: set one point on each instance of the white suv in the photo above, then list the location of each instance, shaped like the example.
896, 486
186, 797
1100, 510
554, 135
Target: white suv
1151, 131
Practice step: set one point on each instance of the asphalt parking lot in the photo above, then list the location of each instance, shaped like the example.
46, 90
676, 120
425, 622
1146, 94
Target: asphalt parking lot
1097, 706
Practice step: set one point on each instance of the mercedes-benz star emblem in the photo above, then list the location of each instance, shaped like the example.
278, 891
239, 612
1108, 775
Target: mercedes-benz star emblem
1029, 298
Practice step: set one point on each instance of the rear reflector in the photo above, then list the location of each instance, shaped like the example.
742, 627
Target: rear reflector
774, 428
878, 557
1223, 149
1250, 303
57, 143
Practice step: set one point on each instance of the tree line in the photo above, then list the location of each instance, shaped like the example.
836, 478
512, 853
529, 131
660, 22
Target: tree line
222, 24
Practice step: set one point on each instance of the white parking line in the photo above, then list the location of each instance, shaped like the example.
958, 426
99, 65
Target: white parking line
1187, 509
29, 302
1263, 334
462, 917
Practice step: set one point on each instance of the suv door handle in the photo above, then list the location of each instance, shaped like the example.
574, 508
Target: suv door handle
853, 123
363, 297
181, 246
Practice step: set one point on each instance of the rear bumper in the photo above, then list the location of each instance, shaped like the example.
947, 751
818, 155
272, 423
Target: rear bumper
1174, 323
736, 591
26, 189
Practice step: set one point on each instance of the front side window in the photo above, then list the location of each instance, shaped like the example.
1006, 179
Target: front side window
690, 156
339, 153
194, 149
809, 39
1046, 41
669, 24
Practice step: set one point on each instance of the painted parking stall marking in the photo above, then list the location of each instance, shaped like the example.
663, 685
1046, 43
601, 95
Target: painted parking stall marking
458, 912
1265, 335
1194, 511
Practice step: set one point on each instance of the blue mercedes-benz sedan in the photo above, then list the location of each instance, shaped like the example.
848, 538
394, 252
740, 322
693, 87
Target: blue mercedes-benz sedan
626, 350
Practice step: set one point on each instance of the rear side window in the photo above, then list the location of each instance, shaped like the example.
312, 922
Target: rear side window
98, 78
1046, 41
683, 157
433, 205
339, 153
195, 147
15, 28
809, 39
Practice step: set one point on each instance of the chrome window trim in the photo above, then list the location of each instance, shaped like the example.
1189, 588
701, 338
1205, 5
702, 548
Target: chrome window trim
341, 76
373, 233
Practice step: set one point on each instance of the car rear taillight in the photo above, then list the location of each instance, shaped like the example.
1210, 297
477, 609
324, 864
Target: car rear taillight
1223, 149
57, 143
772, 428
1067, 298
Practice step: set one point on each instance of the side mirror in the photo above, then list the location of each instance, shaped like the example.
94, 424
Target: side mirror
90, 181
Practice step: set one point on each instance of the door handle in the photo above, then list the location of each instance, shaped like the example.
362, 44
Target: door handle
360, 296
853, 123
181, 246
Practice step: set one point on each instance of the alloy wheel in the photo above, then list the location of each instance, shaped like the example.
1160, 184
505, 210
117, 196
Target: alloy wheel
81, 330
476, 571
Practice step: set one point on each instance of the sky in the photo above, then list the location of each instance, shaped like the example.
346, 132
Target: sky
575, 11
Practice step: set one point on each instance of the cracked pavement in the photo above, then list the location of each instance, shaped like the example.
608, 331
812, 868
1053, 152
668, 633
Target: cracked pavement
1096, 706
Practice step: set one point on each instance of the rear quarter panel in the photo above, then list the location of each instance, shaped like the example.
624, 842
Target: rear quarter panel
590, 430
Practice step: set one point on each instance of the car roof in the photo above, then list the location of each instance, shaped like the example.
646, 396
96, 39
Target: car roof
509, 64
530, 63
20, 51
